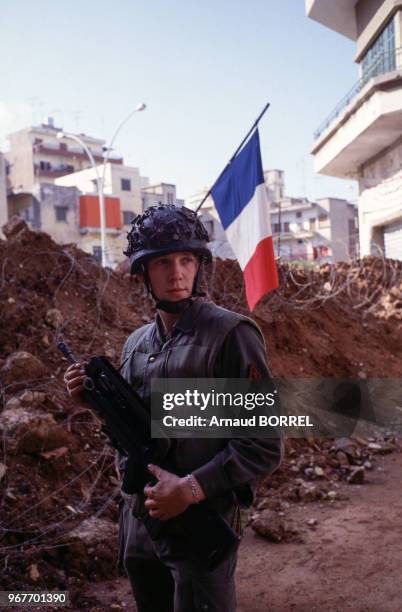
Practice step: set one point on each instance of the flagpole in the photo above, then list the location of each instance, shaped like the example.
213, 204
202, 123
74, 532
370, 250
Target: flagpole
256, 122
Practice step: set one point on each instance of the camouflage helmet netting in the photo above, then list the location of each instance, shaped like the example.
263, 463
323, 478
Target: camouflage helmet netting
165, 228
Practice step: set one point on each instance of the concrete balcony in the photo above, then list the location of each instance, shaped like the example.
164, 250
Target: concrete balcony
363, 127
285, 206
297, 235
84, 231
52, 172
339, 15
71, 152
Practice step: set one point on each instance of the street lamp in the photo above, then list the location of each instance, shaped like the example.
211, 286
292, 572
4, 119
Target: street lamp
100, 180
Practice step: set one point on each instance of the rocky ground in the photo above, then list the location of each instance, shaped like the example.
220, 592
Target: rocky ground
342, 555
58, 478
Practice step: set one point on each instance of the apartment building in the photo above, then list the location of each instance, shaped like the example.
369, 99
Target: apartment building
123, 182
122, 189
320, 231
361, 138
162, 193
36, 155
275, 184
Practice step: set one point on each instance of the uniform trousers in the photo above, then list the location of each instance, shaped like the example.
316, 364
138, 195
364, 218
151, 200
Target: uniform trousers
164, 580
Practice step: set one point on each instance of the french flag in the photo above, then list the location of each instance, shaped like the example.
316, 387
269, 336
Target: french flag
241, 200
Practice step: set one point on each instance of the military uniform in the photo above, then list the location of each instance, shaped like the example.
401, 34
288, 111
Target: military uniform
206, 342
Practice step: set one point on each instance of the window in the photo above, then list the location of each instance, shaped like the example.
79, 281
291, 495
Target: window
323, 221
97, 253
128, 216
298, 215
380, 57
45, 165
312, 224
277, 228
61, 213
351, 226
286, 226
125, 184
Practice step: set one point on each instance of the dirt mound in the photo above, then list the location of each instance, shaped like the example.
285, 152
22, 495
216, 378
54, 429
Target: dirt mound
56, 471
324, 322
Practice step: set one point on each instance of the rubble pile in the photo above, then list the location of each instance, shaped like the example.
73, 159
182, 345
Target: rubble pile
313, 471
58, 478
389, 305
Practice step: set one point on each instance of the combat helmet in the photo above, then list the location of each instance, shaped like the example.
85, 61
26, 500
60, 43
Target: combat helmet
164, 229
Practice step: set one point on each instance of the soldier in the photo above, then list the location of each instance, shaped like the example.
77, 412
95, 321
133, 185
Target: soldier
189, 338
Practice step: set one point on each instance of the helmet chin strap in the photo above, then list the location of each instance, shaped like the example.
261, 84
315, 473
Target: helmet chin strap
173, 307
176, 306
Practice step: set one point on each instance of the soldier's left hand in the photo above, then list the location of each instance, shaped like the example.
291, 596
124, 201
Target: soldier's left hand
169, 497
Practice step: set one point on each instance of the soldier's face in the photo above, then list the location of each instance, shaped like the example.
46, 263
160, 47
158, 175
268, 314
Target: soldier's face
172, 276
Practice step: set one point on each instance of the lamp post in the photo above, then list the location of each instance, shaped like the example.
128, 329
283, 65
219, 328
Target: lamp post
100, 179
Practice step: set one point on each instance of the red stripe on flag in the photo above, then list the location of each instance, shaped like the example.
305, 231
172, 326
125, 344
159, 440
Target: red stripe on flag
260, 274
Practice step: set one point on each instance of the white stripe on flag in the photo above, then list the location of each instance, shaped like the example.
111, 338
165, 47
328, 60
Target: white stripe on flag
250, 227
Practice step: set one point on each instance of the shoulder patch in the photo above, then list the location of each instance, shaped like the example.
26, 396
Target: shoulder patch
254, 372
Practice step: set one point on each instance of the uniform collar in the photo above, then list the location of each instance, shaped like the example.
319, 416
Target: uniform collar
185, 323
188, 318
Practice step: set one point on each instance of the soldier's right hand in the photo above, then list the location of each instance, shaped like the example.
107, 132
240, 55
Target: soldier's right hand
74, 378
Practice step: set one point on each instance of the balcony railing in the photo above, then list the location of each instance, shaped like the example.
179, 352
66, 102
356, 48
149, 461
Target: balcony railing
386, 62
53, 171
60, 151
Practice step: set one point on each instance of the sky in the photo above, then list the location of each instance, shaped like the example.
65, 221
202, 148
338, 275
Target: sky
204, 69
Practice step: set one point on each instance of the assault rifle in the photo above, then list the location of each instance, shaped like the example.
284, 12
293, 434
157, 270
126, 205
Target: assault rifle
127, 423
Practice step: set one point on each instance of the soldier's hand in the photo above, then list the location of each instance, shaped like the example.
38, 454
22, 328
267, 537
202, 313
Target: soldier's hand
74, 378
169, 497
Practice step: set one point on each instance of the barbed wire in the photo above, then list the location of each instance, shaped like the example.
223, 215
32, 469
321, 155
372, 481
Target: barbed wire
364, 282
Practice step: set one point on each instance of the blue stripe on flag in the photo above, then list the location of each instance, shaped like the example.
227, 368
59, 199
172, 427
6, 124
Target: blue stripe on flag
238, 183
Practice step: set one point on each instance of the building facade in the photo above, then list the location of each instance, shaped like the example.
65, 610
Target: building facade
122, 189
121, 181
36, 155
326, 230
162, 193
275, 184
361, 139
